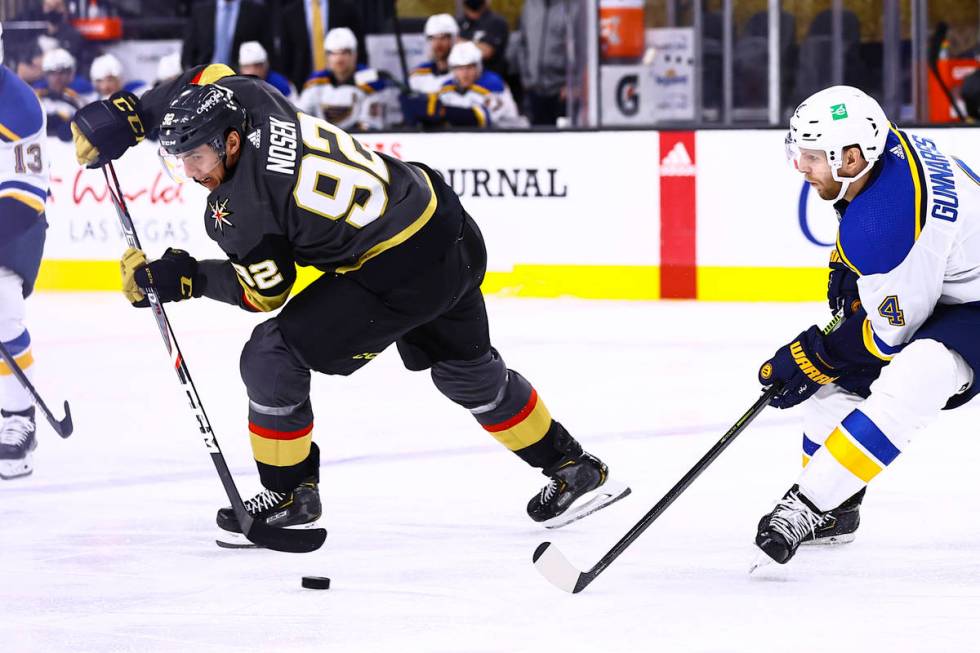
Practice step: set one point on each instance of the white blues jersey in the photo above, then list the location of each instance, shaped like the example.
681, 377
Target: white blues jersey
488, 97
913, 236
354, 104
426, 78
23, 155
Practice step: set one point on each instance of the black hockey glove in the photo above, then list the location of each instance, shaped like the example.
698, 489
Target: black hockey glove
103, 130
842, 290
802, 366
172, 276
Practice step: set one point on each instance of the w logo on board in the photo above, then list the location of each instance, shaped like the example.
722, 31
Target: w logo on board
677, 163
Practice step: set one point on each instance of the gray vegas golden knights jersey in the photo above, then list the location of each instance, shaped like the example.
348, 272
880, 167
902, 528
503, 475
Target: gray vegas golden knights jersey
305, 192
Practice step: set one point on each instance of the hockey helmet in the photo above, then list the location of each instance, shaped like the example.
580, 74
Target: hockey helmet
339, 39
251, 53
465, 53
57, 60
439, 24
201, 115
832, 120
105, 66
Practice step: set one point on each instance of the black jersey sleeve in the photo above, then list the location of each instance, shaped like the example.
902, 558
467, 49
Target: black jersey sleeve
259, 281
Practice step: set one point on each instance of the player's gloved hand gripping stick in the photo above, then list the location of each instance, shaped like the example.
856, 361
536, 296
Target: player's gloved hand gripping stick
555, 567
277, 539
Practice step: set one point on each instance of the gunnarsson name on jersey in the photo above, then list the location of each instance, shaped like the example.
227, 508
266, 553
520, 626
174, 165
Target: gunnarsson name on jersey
282, 146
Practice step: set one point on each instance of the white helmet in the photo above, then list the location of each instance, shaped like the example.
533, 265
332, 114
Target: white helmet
836, 118
105, 66
465, 53
438, 24
169, 67
57, 59
340, 38
252, 52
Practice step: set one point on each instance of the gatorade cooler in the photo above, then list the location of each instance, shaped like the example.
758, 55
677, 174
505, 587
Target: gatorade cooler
621, 31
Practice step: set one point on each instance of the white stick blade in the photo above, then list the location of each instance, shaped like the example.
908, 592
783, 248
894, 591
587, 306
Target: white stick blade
555, 567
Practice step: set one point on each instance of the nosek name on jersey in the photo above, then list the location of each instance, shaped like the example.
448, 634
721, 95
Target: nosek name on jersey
281, 156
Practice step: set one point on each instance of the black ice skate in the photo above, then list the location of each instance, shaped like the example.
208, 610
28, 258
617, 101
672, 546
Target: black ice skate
17, 442
792, 520
297, 509
579, 486
840, 524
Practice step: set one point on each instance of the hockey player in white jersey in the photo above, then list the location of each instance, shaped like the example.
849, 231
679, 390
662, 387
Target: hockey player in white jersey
345, 93
106, 74
474, 97
58, 100
430, 76
23, 190
908, 248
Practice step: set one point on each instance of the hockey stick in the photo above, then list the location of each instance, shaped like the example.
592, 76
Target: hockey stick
63, 427
277, 539
561, 573
555, 567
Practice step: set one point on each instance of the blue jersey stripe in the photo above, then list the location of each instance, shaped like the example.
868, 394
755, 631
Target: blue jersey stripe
19, 344
24, 186
809, 446
870, 436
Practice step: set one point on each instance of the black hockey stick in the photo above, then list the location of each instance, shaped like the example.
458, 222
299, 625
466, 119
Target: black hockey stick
398, 41
554, 566
63, 427
277, 539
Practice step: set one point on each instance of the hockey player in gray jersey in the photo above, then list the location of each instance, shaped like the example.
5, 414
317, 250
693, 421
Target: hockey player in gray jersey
907, 272
402, 263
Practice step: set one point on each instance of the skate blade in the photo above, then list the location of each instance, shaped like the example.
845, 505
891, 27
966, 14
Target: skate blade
608, 493
761, 560
17, 467
830, 541
229, 540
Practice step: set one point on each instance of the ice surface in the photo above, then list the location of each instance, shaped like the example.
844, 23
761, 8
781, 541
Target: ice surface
109, 545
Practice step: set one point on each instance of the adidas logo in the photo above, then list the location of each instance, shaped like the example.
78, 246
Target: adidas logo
255, 138
677, 163
898, 151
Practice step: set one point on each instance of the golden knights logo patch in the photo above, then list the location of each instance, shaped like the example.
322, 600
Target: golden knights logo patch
220, 213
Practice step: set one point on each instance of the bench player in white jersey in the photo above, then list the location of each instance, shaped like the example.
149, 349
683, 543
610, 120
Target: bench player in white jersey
430, 76
472, 98
23, 190
347, 94
909, 241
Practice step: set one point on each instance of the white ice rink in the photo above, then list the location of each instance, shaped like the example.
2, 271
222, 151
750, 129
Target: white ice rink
109, 545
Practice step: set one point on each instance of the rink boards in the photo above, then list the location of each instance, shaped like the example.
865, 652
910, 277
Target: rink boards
715, 215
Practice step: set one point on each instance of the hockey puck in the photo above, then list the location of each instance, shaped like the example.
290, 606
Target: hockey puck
316, 582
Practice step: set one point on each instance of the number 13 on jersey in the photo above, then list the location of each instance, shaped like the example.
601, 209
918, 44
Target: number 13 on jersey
338, 177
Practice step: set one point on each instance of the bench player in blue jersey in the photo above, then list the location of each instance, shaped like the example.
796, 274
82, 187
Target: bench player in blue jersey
906, 271
23, 190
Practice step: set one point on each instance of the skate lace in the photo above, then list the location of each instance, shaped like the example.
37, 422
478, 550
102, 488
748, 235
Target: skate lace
794, 520
549, 491
16, 429
263, 501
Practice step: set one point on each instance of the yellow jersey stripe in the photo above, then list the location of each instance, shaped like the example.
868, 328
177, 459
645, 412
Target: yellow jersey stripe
851, 457
212, 73
917, 175
262, 302
481, 118
7, 133
29, 199
869, 341
402, 235
23, 360
843, 256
